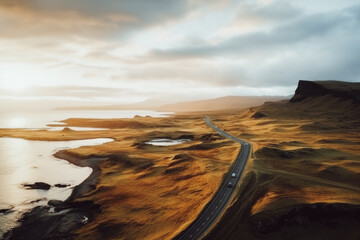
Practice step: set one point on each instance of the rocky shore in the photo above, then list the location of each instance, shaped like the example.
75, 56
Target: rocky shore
58, 219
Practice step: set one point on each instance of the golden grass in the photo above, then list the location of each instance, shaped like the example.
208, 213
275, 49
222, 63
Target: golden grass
303, 153
144, 191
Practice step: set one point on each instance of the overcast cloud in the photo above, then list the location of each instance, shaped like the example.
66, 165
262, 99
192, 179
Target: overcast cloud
123, 51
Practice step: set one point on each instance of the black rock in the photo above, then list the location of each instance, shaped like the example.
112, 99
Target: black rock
59, 185
37, 200
55, 203
6, 210
37, 185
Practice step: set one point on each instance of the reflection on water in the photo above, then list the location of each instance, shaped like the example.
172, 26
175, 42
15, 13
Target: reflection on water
166, 142
24, 161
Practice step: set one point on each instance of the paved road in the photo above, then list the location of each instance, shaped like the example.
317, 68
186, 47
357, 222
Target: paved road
215, 207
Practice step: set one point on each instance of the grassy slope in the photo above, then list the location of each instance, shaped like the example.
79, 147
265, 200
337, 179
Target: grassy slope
146, 192
305, 153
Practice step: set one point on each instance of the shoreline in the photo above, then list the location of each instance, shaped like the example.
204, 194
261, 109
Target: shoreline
160, 175
90, 182
68, 215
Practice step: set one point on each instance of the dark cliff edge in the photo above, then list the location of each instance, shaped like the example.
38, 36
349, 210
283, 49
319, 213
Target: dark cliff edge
339, 89
272, 203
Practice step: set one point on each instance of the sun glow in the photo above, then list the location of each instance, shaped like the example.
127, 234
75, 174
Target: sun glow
14, 81
16, 122
15, 86
17, 77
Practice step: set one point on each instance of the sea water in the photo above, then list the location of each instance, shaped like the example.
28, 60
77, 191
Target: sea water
26, 161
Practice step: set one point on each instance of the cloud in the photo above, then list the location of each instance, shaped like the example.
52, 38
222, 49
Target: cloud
308, 46
252, 15
118, 48
187, 74
282, 35
90, 18
79, 92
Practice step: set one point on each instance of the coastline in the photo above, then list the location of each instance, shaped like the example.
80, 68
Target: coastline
59, 219
89, 183
134, 171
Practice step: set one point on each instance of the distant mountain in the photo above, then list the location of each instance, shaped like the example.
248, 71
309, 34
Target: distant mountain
222, 103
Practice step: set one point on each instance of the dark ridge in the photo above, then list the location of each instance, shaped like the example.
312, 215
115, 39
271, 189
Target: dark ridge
128, 162
302, 215
258, 115
274, 152
175, 170
344, 90
182, 156
178, 162
210, 137
206, 146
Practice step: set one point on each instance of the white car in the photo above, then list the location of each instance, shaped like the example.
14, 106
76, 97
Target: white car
233, 175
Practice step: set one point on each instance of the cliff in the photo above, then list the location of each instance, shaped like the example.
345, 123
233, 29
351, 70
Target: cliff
343, 90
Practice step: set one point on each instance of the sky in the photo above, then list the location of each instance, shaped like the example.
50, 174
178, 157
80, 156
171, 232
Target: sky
90, 52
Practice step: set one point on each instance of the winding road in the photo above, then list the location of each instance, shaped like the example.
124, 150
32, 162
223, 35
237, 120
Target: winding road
216, 206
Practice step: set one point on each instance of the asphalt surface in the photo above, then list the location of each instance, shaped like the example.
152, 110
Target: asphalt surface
216, 206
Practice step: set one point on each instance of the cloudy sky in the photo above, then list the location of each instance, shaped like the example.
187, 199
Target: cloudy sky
121, 51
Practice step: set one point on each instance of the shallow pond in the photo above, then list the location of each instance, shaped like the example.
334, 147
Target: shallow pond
166, 142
